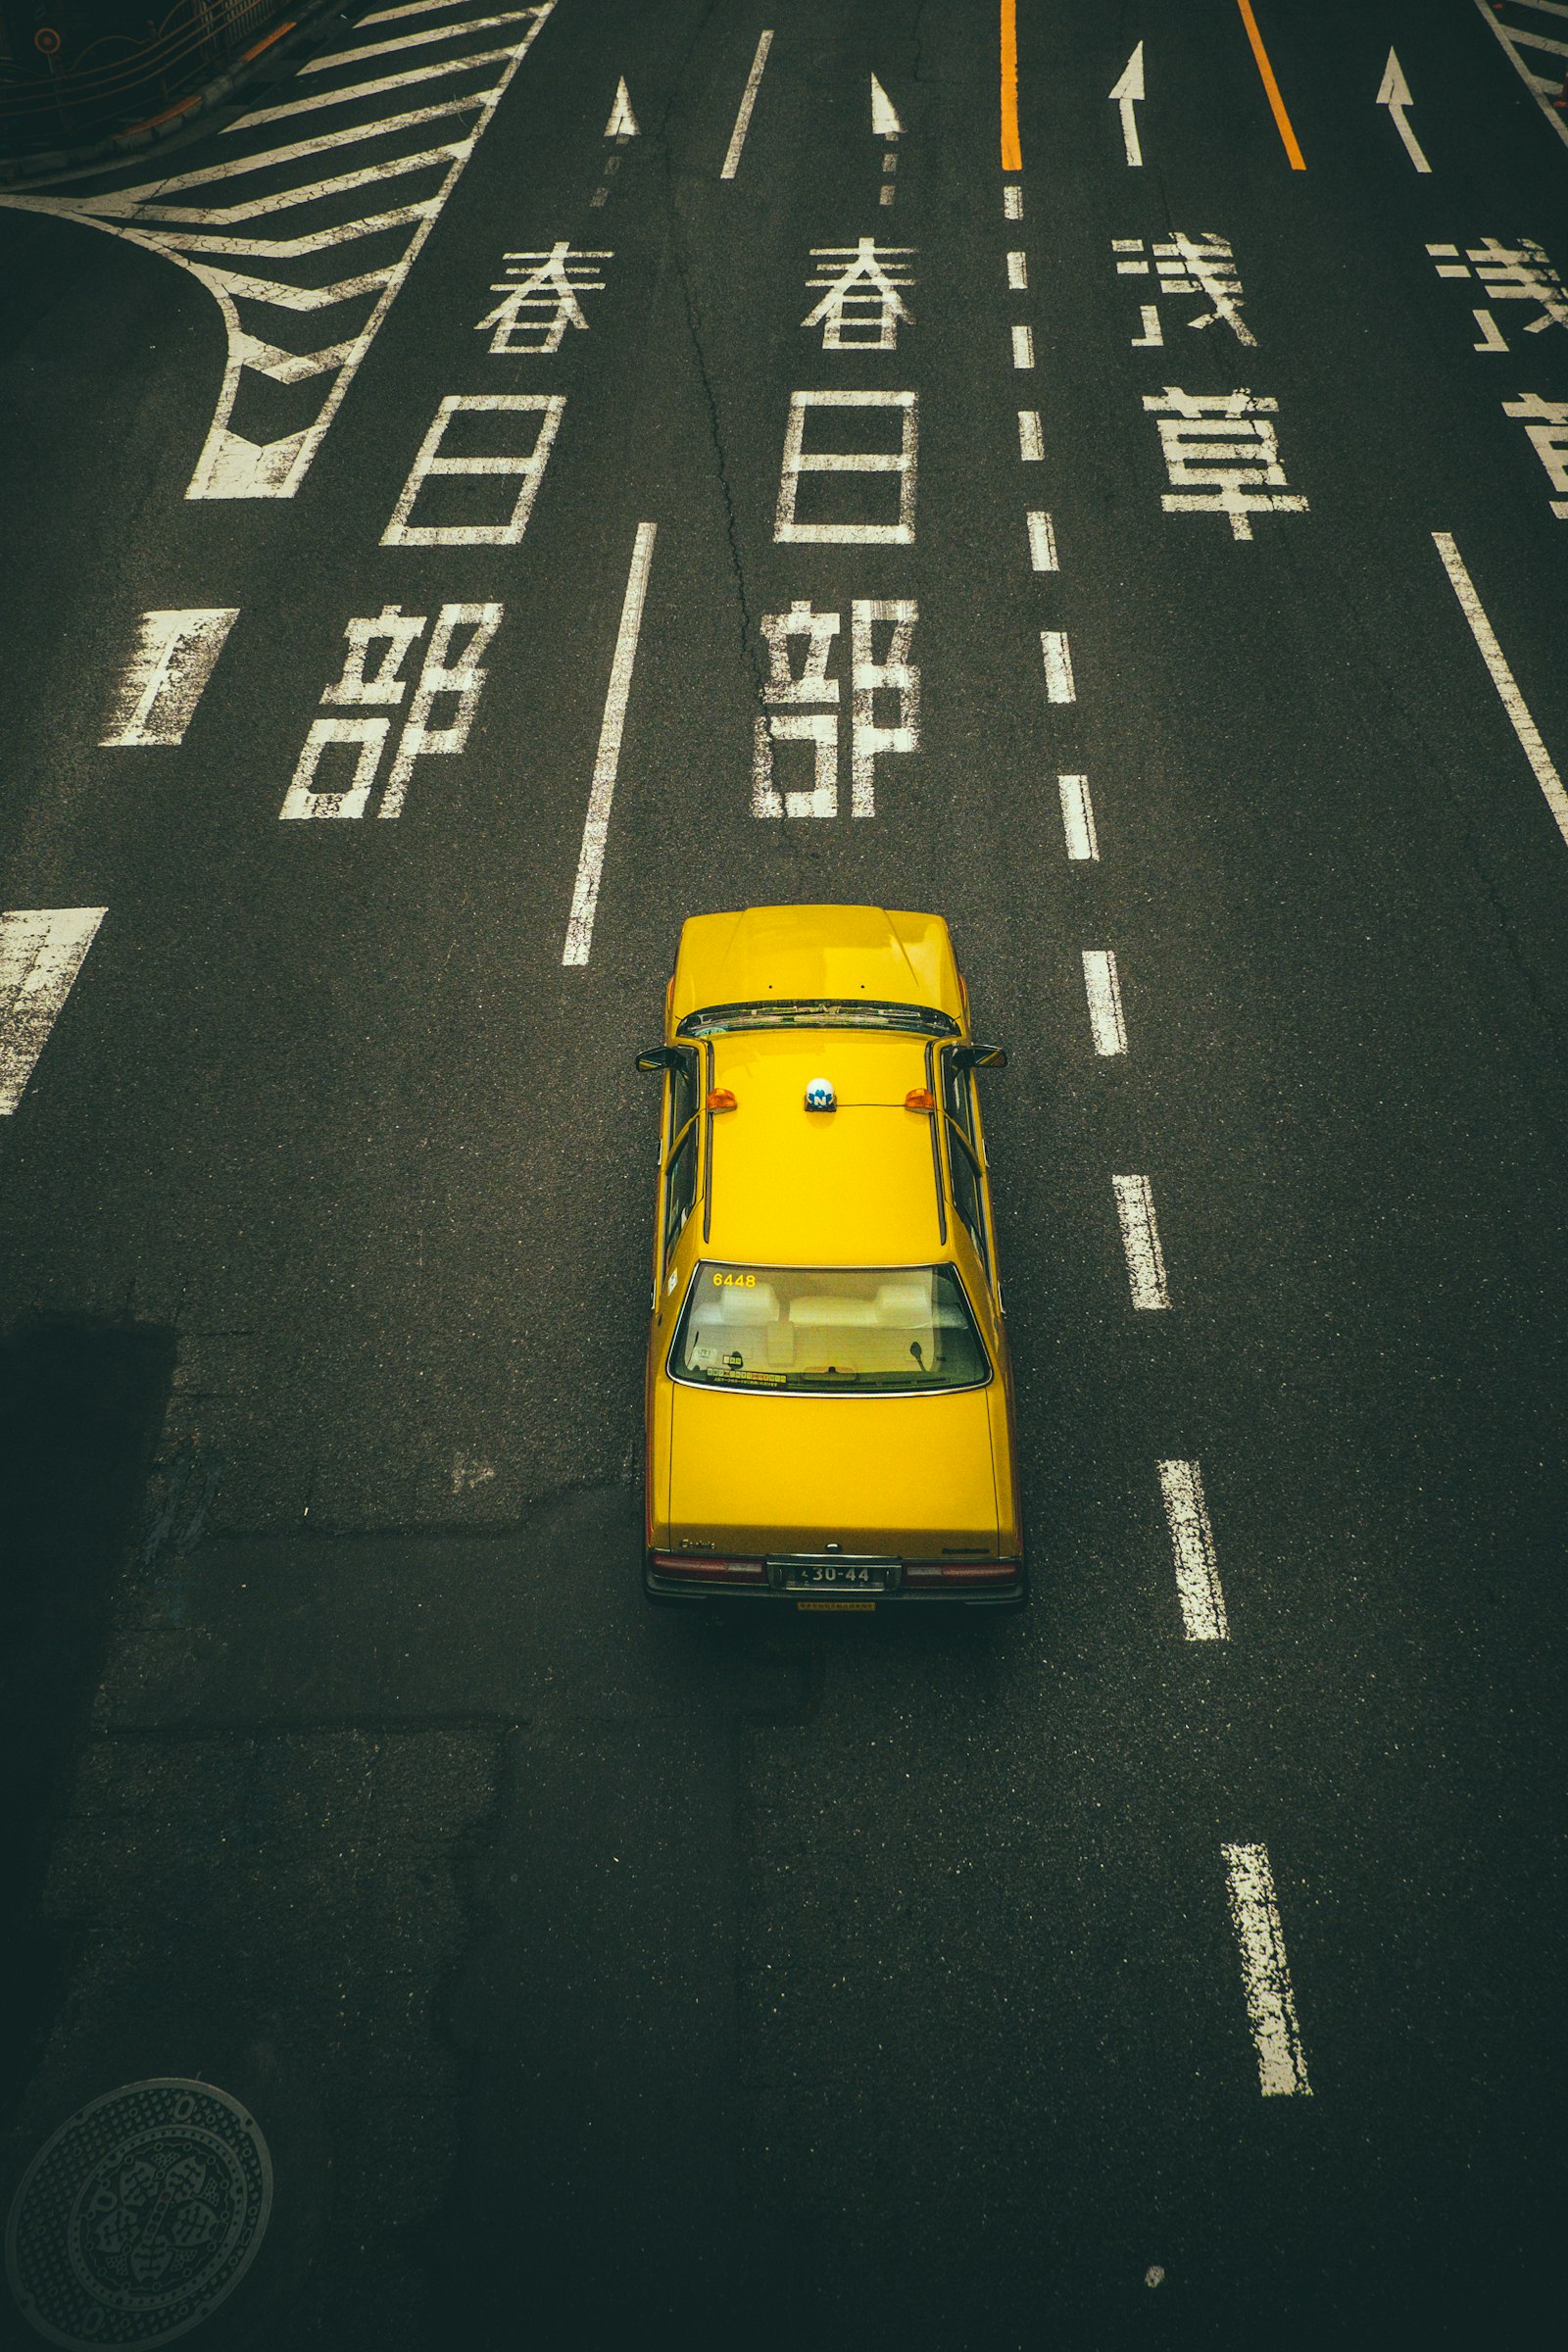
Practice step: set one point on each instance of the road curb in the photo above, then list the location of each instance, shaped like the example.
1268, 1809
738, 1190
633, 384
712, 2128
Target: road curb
187, 114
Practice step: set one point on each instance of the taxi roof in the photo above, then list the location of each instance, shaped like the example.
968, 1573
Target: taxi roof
854, 1186
816, 952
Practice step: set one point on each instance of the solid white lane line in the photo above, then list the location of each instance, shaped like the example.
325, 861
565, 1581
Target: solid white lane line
1059, 686
1513, 701
1107, 1025
161, 683
596, 825
41, 952
1191, 1540
1018, 272
1140, 1239
1043, 543
1013, 201
1031, 443
743, 120
1265, 1974
1078, 817
1023, 347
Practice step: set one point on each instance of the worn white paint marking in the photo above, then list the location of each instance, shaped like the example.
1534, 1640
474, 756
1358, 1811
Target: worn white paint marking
1492, 336
1266, 1973
413, 40
1513, 701
1539, 90
1154, 335
161, 683
41, 952
1078, 817
1547, 424
1192, 1541
1043, 543
304, 802
1023, 346
798, 460
343, 95
412, 8
885, 124
457, 677
596, 825
1222, 455
1393, 92
1107, 1025
1018, 272
1058, 655
1013, 201
1140, 1240
468, 1472
622, 123
743, 120
526, 470
1128, 94
1031, 443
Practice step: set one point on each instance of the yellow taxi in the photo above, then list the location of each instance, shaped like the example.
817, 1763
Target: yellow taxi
829, 1398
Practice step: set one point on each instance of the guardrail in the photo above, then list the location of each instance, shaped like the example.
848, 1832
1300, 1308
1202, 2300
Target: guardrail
129, 80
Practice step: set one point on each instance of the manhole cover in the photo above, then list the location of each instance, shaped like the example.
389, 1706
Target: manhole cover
139, 2216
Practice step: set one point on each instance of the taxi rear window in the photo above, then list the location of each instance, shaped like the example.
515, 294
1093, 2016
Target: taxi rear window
868, 1330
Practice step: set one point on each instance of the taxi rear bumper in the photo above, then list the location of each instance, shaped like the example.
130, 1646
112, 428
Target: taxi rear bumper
807, 1581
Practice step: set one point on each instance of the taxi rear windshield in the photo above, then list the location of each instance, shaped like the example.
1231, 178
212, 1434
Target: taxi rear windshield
822, 1329
818, 1012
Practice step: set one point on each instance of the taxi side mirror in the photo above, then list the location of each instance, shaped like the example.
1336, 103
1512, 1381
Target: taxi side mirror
659, 1058
980, 1058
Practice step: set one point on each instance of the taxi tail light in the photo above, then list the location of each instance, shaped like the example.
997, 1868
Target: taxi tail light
697, 1564
960, 1572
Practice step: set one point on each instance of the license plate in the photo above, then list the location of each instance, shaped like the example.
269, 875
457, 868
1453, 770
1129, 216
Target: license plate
833, 1576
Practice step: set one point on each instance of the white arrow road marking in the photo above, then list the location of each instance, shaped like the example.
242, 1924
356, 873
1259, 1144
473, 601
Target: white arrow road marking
1078, 817
1107, 1024
1513, 701
1191, 1540
161, 683
596, 825
1265, 1974
41, 952
1127, 94
885, 124
622, 123
1393, 92
1140, 1240
743, 120
234, 250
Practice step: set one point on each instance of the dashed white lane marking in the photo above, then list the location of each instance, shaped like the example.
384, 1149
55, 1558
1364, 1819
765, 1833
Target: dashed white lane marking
1031, 442
1023, 346
1542, 91
1192, 1541
1059, 686
622, 123
1393, 92
1013, 201
1078, 817
1140, 1239
1018, 272
1127, 94
1043, 543
743, 120
1513, 701
161, 685
1266, 1973
1107, 1025
41, 952
596, 826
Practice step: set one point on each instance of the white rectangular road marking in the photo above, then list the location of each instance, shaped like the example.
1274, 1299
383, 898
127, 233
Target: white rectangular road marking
596, 826
1023, 347
161, 683
1018, 272
1012, 203
401, 532
1059, 686
799, 459
1191, 1540
1140, 1239
1513, 701
1078, 817
1265, 1974
1041, 542
41, 952
1031, 442
1106, 1023
1154, 335
743, 120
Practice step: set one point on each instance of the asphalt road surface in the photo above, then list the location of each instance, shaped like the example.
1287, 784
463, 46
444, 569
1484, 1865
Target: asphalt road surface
1180, 1963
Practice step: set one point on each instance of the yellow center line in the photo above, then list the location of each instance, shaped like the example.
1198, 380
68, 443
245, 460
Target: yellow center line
1011, 154
1272, 89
